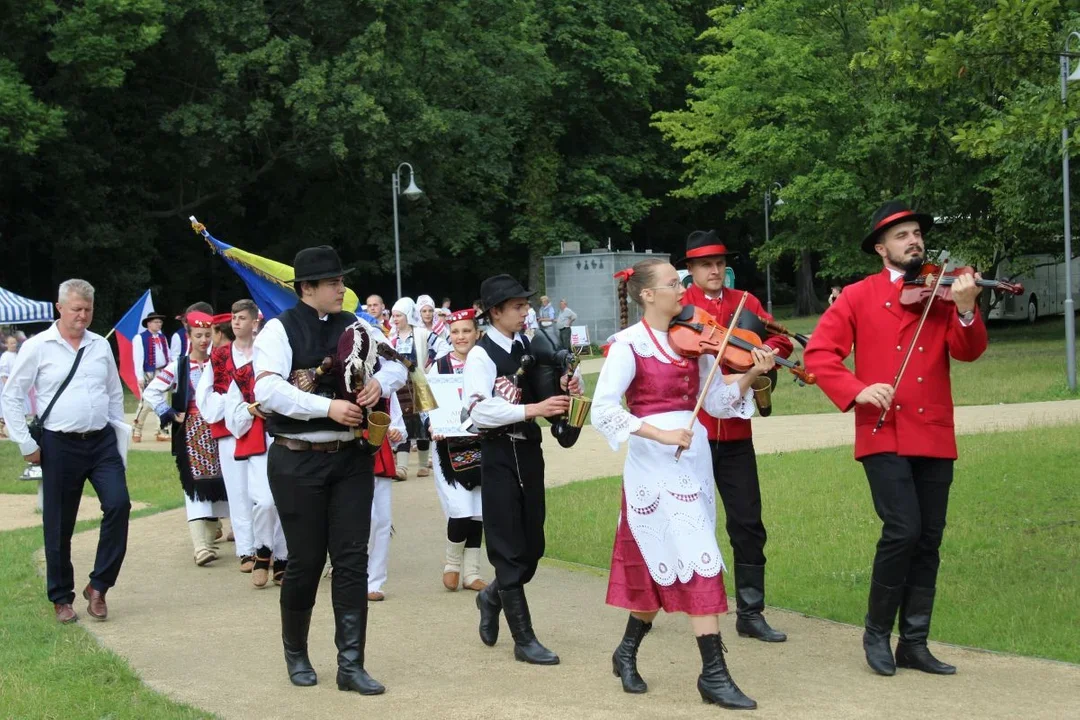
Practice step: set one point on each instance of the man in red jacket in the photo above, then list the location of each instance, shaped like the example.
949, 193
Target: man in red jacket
909, 461
734, 461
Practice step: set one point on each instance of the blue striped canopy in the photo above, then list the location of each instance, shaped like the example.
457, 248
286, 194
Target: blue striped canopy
15, 309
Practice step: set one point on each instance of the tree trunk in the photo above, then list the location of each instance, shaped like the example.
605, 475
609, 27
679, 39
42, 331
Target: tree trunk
536, 272
806, 302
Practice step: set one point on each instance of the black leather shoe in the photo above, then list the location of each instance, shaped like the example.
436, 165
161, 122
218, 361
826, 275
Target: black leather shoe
294, 635
880, 616
489, 604
715, 684
916, 609
526, 647
350, 636
624, 659
750, 604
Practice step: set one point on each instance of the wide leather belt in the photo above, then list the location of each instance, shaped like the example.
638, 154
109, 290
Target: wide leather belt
81, 435
305, 446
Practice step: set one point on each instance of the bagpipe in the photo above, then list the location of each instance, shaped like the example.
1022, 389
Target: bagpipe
545, 365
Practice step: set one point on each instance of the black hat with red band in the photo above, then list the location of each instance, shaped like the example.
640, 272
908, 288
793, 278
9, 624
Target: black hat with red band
892, 213
703, 244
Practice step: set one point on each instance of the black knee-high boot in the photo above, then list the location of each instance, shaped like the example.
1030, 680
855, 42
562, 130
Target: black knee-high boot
294, 636
715, 683
880, 616
489, 604
624, 659
350, 636
911, 651
526, 647
750, 601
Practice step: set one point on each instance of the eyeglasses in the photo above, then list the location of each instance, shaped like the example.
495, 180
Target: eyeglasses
673, 285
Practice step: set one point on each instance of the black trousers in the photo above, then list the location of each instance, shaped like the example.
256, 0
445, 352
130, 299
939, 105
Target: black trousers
324, 502
512, 492
911, 496
736, 475
66, 464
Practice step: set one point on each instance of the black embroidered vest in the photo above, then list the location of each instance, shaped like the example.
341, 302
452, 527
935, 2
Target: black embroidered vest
508, 363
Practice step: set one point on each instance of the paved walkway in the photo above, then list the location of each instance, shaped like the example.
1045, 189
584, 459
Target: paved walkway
20, 511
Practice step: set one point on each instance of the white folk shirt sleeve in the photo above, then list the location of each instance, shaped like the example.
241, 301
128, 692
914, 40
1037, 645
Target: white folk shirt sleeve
272, 364
211, 405
609, 417
238, 419
156, 392
44, 362
488, 412
137, 357
723, 399
397, 420
175, 349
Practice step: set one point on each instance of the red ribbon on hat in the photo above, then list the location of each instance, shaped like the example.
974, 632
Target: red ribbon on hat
624, 274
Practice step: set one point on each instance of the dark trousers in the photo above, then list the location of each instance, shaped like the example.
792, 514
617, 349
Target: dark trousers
564, 337
324, 502
911, 496
66, 464
736, 475
512, 492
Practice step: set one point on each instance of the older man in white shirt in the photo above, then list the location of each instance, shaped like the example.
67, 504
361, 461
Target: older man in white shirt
78, 443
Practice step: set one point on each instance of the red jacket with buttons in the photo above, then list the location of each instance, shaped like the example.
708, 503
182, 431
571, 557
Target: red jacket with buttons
723, 308
869, 316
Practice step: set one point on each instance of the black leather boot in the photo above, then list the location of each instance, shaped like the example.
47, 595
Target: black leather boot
911, 652
750, 603
350, 636
624, 660
489, 604
880, 616
526, 647
294, 633
715, 683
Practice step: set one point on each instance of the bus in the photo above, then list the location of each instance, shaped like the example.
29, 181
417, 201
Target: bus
1043, 278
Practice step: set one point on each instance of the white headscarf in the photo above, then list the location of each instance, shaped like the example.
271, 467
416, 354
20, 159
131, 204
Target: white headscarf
424, 301
406, 307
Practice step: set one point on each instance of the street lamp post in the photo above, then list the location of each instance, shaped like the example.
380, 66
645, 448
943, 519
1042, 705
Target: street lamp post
1070, 317
411, 192
768, 267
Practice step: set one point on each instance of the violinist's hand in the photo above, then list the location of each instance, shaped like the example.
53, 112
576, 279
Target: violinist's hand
965, 291
764, 360
370, 394
879, 395
678, 438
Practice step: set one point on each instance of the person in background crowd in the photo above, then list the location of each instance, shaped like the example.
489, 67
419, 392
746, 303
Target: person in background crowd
178, 343
7, 362
376, 308
567, 318
434, 324
531, 324
546, 315
834, 295
78, 443
382, 522
149, 354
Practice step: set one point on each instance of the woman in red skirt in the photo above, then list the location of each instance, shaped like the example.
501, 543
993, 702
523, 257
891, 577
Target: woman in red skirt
665, 555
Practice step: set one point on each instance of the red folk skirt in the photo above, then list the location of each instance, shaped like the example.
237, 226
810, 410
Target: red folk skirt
630, 585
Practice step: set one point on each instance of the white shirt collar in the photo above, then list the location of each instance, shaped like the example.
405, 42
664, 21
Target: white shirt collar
894, 274
53, 333
502, 341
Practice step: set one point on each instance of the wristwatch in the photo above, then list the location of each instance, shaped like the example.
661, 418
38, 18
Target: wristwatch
967, 316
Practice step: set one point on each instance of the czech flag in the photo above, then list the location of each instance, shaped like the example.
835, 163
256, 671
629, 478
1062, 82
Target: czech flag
268, 281
127, 331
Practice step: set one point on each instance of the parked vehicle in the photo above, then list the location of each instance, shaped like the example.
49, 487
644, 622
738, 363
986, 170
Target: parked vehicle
1043, 278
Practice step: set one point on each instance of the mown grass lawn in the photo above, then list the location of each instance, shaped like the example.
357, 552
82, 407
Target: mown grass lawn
53, 671
1023, 363
1010, 572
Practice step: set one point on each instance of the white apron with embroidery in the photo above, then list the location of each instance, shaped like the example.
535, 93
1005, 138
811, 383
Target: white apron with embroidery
670, 506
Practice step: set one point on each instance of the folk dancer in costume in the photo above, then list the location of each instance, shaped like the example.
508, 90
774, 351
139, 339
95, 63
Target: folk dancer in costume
321, 474
421, 346
731, 439
457, 472
512, 462
381, 517
665, 554
149, 354
178, 343
193, 443
226, 398
909, 460
430, 319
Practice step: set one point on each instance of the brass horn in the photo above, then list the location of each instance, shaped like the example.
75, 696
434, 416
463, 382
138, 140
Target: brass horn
423, 398
762, 387
378, 423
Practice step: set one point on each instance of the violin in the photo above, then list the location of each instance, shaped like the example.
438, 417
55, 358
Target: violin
694, 332
777, 329
918, 290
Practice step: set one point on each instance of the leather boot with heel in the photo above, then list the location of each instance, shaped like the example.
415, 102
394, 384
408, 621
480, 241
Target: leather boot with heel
489, 604
294, 636
526, 647
350, 636
880, 616
624, 659
750, 603
715, 684
911, 651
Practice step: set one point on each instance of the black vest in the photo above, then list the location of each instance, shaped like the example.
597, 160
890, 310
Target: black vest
508, 363
311, 340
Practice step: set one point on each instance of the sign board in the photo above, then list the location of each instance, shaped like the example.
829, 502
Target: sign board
579, 335
446, 419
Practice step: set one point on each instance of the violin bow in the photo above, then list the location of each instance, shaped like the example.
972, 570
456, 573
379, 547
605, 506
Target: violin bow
712, 372
911, 347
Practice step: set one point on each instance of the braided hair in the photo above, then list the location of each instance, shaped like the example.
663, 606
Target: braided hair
632, 281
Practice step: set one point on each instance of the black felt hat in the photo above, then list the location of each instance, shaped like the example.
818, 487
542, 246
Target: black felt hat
153, 316
704, 243
318, 263
892, 213
499, 289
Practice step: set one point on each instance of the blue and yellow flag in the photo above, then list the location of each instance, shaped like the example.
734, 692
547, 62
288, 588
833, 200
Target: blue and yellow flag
268, 281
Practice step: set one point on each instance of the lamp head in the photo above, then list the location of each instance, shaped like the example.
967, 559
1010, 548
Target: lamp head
412, 192
779, 202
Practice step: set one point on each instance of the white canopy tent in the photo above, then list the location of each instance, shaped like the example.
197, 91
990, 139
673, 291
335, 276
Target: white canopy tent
15, 309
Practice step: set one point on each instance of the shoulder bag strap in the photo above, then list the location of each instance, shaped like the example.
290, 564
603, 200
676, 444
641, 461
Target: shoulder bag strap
63, 385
